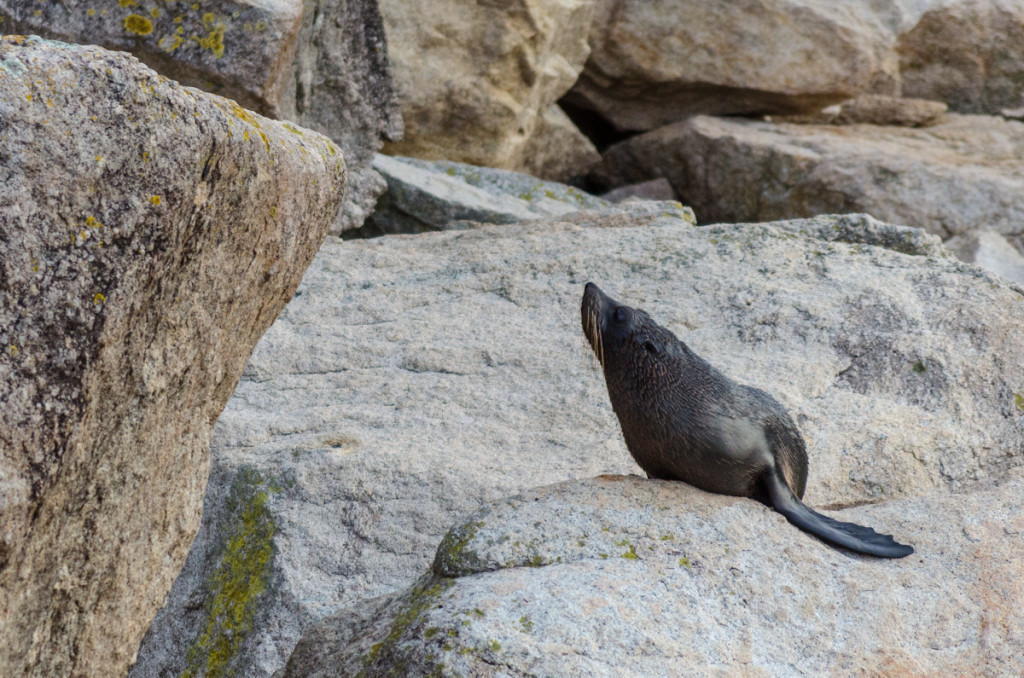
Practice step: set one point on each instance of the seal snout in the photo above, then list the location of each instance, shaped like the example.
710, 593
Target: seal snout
592, 314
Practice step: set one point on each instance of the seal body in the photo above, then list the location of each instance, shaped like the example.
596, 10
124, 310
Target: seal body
682, 419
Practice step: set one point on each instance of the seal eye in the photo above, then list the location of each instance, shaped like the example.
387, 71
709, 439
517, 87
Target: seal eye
621, 315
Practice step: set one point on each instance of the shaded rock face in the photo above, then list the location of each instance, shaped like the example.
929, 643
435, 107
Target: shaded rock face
239, 50
620, 574
413, 378
320, 64
149, 234
963, 174
341, 86
477, 82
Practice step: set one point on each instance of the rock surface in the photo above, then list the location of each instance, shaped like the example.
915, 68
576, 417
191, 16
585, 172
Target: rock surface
434, 196
341, 86
968, 54
963, 174
875, 109
654, 62
557, 150
413, 378
477, 81
149, 234
654, 189
321, 64
609, 575
989, 250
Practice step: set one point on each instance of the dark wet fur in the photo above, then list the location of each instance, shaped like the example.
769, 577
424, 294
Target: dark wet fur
684, 420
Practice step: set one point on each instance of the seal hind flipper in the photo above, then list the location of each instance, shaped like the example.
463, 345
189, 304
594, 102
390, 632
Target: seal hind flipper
854, 537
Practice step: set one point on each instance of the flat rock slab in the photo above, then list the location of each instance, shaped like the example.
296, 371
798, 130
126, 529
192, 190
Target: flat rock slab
428, 195
149, 234
621, 575
961, 175
414, 377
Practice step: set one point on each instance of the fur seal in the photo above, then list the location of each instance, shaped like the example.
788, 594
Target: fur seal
684, 420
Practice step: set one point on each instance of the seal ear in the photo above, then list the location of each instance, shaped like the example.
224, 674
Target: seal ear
652, 348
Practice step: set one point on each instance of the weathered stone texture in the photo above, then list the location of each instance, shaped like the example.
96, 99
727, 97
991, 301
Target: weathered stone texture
414, 377
320, 63
968, 54
963, 174
475, 80
616, 576
341, 86
654, 62
149, 234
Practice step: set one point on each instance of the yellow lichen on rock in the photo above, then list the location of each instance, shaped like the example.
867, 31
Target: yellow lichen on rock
214, 39
138, 24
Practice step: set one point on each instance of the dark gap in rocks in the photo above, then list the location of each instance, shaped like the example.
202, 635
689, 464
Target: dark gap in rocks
593, 125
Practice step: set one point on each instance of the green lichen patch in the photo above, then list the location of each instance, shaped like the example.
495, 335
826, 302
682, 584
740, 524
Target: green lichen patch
454, 558
423, 595
1018, 399
239, 580
525, 624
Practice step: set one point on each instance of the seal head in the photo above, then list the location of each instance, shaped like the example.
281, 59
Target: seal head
682, 419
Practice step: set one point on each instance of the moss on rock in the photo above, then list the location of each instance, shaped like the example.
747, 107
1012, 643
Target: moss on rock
240, 578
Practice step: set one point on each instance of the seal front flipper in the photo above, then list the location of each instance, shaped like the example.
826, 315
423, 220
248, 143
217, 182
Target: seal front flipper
854, 537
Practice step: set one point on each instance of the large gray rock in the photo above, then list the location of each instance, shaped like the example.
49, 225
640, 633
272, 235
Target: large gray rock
149, 234
654, 62
320, 63
964, 174
477, 82
616, 576
413, 378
